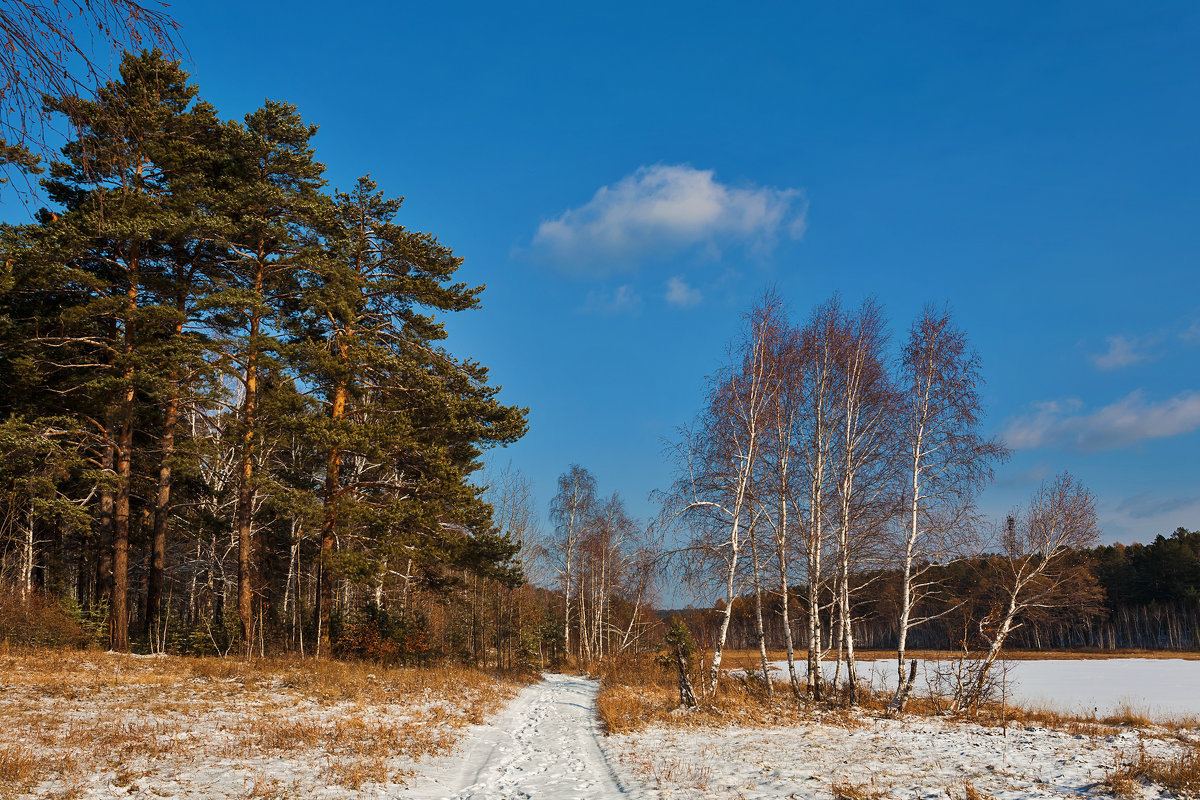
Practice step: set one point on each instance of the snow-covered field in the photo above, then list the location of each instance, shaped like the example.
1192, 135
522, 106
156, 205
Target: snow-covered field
547, 745
1157, 688
94, 726
91, 726
910, 759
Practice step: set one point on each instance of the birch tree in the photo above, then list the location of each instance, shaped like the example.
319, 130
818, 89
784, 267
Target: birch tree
864, 459
716, 462
1040, 567
777, 484
570, 512
819, 342
946, 462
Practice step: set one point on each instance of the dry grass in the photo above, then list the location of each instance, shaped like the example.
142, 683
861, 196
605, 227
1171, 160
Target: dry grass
848, 790
669, 774
1178, 773
132, 721
635, 695
19, 770
969, 792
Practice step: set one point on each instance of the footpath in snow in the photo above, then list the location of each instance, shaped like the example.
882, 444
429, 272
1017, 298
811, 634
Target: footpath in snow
545, 745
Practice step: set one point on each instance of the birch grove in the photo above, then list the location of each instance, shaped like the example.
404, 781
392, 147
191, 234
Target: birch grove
821, 462
603, 562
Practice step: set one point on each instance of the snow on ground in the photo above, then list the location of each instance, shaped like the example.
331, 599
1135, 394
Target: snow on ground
916, 758
547, 745
544, 745
94, 726
1158, 688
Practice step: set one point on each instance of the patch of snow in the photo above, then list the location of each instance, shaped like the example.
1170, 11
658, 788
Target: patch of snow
544, 745
1159, 688
915, 758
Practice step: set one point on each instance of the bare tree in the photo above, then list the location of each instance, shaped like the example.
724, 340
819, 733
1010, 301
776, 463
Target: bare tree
1038, 565
819, 344
718, 459
514, 513
777, 484
570, 511
864, 459
58, 48
760, 555
611, 549
946, 462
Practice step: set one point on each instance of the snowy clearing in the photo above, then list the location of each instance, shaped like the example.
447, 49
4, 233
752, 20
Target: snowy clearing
1157, 688
95, 726
546, 744
920, 758
98, 725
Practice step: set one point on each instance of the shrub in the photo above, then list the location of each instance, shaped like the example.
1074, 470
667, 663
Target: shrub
372, 634
37, 622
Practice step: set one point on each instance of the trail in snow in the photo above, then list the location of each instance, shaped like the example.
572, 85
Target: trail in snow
544, 746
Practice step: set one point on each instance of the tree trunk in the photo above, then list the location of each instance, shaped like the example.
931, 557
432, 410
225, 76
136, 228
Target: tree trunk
906, 598
814, 597
119, 627
687, 695
784, 595
333, 465
714, 672
162, 510
904, 689
758, 613
27, 557
243, 517
567, 610
845, 617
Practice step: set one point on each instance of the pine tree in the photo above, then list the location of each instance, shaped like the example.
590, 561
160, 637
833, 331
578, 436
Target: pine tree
125, 184
410, 415
269, 204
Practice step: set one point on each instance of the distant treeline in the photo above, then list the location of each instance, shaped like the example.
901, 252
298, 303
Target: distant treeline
1133, 596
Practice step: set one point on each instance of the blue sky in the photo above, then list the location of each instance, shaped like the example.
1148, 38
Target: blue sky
626, 178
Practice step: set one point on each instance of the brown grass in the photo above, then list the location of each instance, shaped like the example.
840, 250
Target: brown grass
71, 713
1178, 773
969, 792
635, 695
668, 774
19, 770
848, 790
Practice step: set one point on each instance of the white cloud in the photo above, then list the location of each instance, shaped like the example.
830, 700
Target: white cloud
621, 300
1125, 422
662, 209
680, 293
1124, 351
1191, 335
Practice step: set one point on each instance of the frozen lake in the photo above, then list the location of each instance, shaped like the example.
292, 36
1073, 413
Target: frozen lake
1161, 688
